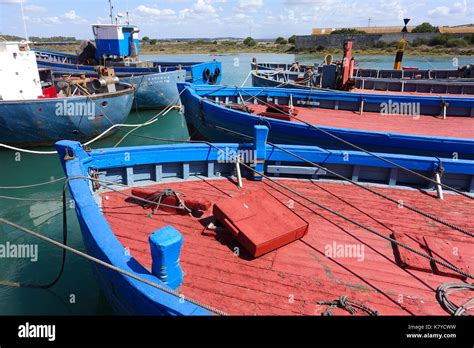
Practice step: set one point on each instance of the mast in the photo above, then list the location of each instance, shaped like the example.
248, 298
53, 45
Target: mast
24, 22
111, 15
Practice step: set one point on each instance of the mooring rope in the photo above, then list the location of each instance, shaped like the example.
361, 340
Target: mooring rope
65, 248
342, 216
32, 185
342, 177
392, 240
442, 295
111, 267
362, 149
348, 305
118, 125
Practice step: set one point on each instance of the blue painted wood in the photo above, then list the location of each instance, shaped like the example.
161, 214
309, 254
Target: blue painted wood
36, 122
63, 62
260, 135
185, 171
393, 176
210, 169
129, 296
355, 173
158, 173
294, 170
212, 120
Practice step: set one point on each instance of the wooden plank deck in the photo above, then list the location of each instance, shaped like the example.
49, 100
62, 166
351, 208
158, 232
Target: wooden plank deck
292, 279
455, 127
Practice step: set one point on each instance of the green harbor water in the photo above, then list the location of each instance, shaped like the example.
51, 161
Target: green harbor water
40, 208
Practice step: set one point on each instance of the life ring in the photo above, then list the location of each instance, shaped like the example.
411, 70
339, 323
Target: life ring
217, 72
206, 74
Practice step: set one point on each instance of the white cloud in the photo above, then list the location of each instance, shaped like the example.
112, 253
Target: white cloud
69, 17
458, 8
35, 8
440, 10
249, 5
202, 9
154, 11
10, 1
203, 6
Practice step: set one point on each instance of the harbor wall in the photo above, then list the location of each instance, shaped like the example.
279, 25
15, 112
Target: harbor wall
360, 40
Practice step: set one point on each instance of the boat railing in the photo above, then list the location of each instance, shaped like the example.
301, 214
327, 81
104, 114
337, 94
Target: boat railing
59, 58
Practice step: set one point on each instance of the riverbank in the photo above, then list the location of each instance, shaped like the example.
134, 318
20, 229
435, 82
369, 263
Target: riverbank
233, 47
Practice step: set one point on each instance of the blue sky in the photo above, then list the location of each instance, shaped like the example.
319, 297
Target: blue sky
217, 18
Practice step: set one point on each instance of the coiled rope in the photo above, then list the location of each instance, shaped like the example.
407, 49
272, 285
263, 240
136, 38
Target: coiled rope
442, 295
65, 248
347, 304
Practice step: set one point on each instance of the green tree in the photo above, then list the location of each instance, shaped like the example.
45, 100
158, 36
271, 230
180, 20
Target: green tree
456, 43
424, 28
347, 31
440, 40
146, 39
292, 39
153, 41
250, 42
281, 41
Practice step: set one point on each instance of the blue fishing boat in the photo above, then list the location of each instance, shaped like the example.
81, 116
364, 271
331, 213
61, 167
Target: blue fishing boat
36, 109
288, 79
461, 73
343, 75
117, 46
167, 216
423, 125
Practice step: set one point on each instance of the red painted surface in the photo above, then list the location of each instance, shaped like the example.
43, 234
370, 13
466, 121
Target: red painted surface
374, 91
49, 92
448, 251
456, 127
409, 259
292, 279
168, 203
259, 221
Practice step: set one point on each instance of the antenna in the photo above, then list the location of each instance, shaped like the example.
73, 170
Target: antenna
126, 7
23, 18
111, 15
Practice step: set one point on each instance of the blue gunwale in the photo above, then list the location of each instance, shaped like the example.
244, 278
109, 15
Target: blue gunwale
194, 69
129, 296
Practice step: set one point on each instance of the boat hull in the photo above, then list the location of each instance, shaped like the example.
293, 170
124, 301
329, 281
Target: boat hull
156, 91
220, 124
186, 162
45, 121
442, 87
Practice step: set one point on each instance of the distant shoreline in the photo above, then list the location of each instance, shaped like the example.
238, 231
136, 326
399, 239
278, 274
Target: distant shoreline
237, 48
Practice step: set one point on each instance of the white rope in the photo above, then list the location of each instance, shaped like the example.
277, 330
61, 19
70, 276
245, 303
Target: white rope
155, 118
97, 137
30, 199
247, 78
32, 185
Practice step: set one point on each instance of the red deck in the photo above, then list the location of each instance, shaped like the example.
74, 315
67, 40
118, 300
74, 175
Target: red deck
456, 127
292, 279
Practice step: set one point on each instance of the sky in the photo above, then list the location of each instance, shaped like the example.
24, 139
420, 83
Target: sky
225, 18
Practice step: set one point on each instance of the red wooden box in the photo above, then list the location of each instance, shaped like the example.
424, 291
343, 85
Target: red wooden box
260, 222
